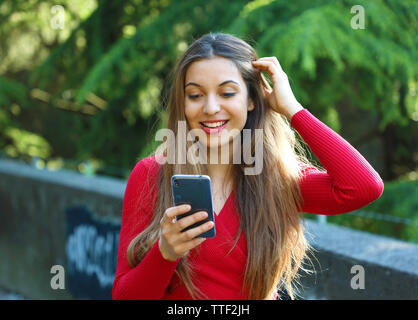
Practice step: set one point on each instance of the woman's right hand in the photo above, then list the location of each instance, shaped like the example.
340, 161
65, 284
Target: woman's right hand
175, 244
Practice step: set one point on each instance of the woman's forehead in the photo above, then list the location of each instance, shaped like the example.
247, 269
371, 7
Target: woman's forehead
216, 70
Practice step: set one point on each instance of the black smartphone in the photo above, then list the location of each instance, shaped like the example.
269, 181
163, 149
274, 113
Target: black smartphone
196, 191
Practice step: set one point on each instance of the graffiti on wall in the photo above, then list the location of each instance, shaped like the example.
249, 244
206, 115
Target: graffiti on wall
91, 252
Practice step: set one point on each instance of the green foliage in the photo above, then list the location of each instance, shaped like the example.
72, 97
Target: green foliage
400, 199
11, 90
95, 89
328, 59
27, 143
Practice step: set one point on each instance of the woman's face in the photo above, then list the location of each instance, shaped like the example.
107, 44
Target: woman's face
216, 100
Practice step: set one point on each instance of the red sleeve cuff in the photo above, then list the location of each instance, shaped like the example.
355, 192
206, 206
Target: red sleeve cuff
299, 116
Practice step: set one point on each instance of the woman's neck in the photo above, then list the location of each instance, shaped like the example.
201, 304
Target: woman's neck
218, 171
221, 173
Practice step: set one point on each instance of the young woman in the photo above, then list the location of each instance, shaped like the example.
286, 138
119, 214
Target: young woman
259, 246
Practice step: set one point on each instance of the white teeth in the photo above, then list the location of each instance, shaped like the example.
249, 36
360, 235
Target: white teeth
214, 124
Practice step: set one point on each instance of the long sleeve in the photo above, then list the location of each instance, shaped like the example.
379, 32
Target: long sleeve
150, 278
349, 182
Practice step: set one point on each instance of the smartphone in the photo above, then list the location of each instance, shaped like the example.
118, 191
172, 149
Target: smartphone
196, 191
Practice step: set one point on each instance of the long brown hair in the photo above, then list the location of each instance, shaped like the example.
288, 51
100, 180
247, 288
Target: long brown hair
267, 203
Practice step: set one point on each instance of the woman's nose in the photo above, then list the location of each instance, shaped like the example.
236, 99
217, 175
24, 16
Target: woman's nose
211, 106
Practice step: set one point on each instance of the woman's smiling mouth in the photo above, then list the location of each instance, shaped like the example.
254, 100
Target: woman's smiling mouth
213, 126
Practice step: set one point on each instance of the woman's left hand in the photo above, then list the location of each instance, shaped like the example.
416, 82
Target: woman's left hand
281, 97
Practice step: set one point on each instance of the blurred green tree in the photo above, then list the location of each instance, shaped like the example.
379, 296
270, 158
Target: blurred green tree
96, 89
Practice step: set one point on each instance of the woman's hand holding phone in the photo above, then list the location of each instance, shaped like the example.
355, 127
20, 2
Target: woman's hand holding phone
175, 244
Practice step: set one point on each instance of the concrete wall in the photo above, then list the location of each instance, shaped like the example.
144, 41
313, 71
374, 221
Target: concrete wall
390, 266
35, 212
63, 218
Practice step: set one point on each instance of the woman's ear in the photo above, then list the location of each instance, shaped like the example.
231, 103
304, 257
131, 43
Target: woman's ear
250, 105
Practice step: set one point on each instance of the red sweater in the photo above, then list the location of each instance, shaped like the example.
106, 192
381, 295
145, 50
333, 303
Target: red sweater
349, 183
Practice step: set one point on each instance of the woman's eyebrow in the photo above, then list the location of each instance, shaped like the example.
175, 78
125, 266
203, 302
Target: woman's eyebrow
223, 83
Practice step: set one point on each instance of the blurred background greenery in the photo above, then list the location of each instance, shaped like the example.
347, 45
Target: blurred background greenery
83, 85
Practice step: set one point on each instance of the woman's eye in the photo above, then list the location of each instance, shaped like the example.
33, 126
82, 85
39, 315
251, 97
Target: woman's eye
195, 96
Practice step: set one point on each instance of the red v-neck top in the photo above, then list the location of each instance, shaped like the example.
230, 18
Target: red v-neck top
348, 183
